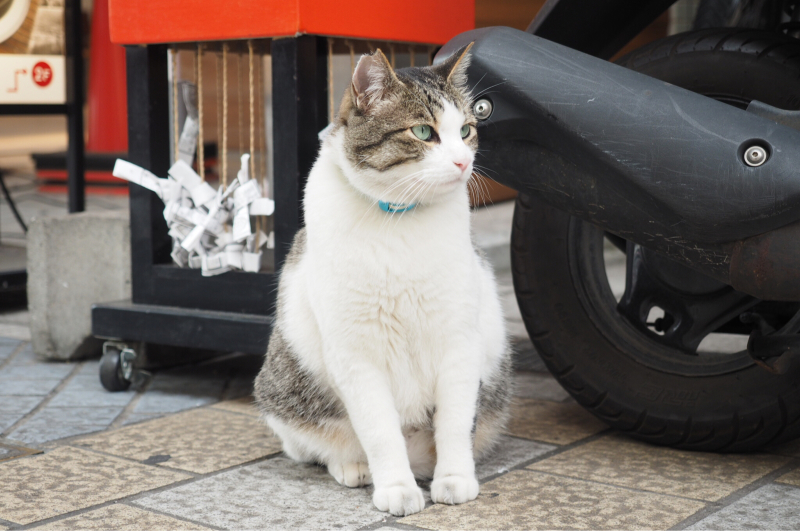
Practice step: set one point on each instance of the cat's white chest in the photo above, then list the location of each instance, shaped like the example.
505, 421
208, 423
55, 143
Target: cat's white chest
404, 305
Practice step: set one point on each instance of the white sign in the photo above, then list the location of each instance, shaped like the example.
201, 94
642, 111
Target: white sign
32, 79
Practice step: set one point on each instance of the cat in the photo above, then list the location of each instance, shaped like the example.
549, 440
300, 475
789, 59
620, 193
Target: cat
389, 358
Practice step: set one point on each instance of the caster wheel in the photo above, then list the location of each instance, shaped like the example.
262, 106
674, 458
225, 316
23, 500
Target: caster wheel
116, 368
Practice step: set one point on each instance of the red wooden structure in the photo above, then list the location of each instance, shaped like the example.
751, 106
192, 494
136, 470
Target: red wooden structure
413, 21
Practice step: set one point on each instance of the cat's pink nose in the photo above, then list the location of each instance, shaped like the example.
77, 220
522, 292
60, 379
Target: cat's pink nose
462, 164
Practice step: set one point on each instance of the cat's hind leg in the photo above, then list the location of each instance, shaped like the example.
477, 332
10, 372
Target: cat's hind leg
307, 416
334, 446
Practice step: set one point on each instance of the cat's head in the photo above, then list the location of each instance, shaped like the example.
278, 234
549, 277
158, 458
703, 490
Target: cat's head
408, 136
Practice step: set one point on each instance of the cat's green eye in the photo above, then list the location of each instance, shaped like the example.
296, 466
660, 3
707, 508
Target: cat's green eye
423, 132
465, 131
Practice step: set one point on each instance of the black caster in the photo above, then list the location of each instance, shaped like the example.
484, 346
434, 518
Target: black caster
116, 366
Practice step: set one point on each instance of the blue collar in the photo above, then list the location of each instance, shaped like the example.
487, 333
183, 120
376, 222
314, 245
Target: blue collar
394, 207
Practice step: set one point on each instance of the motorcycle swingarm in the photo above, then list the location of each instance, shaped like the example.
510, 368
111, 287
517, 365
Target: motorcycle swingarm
651, 162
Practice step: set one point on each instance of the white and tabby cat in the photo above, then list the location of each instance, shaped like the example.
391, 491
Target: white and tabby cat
388, 359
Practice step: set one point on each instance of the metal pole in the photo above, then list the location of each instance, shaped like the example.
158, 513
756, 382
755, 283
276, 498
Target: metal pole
76, 182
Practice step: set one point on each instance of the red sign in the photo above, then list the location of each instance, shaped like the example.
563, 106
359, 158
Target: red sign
42, 74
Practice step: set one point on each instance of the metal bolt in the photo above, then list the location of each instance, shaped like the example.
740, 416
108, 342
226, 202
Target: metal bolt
755, 156
482, 109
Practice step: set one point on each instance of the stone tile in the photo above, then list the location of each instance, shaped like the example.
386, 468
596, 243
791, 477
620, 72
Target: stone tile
792, 478
25, 356
770, 507
119, 517
173, 393
528, 500
85, 390
68, 479
539, 386
14, 387
7, 347
8, 451
18, 404
72, 397
137, 418
15, 331
551, 422
617, 460
39, 371
244, 405
273, 494
13, 408
9, 342
21, 317
201, 441
52, 423
509, 453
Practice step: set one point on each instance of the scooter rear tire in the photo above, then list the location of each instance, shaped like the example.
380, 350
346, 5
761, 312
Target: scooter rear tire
701, 408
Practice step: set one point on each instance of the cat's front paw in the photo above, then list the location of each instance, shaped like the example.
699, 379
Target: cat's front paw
453, 490
399, 500
351, 474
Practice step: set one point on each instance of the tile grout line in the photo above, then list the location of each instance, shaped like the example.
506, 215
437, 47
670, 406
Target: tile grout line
130, 460
559, 449
78, 512
129, 407
714, 507
177, 517
13, 354
393, 523
46, 400
83, 510
70, 439
630, 489
132, 498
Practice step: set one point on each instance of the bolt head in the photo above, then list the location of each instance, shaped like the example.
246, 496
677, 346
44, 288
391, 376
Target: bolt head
755, 156
482, 109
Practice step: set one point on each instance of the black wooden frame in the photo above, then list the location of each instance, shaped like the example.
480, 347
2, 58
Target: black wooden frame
199, 306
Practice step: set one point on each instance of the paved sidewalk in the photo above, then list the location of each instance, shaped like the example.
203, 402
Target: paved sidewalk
187, 451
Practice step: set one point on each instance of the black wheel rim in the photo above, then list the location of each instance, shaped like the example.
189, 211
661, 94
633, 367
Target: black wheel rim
587, 264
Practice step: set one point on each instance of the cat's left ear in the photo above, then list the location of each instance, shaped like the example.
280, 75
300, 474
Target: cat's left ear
454, 69
373, 80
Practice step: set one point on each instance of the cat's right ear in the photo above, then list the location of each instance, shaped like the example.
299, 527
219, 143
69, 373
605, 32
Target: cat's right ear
373, 80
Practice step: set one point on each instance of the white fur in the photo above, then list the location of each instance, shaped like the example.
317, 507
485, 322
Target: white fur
398, 314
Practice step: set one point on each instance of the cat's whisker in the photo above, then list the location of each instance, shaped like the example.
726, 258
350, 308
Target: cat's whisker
402, 196
485, 187
391, 188
484, 92
426, 186
409, 193
483, 169
472, 90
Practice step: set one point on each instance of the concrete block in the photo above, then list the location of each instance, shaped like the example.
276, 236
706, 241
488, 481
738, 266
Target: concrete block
74, 262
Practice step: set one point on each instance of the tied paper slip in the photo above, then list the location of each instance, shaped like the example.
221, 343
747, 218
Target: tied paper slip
187, 144
245, 194
135, 174
211, 229
241, 225
201, 191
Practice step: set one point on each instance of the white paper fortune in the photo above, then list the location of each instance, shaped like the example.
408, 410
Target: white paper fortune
210, 229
